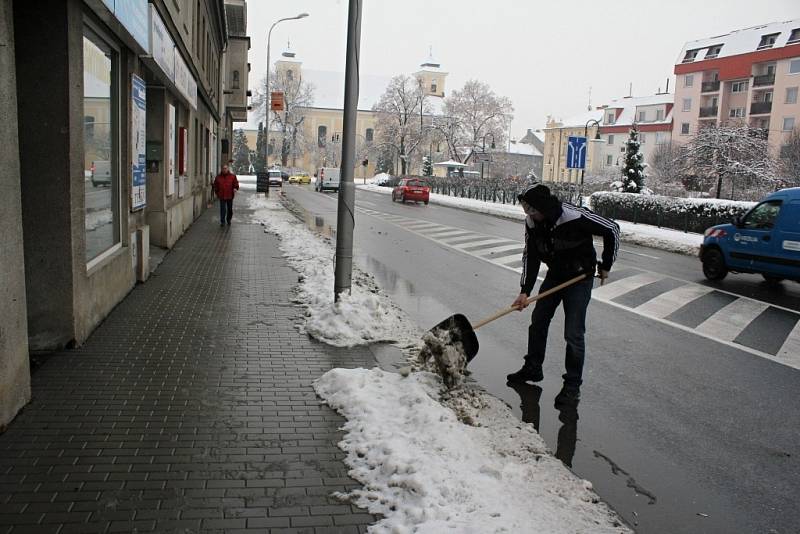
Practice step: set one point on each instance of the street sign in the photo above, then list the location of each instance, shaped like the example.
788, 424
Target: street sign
262, 182
576, 152
276, 101
482, 157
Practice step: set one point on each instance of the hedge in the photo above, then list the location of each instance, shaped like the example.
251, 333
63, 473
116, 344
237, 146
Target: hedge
686, 214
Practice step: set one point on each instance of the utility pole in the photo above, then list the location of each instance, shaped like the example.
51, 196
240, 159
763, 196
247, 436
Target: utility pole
345, 222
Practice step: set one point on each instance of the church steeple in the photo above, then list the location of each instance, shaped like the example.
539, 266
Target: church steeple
432, 75
288, 63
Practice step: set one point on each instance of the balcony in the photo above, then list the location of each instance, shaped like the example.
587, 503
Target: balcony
760, 108
710, 87
763, 80
710, 113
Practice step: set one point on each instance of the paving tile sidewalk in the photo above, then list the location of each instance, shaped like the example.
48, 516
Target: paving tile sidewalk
190, 409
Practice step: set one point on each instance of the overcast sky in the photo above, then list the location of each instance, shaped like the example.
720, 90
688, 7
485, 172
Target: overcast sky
544, 56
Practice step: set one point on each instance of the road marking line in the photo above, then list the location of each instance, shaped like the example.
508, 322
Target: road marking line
439, 234
509, 259
620, 287
422, 225
485, 241
729, 321
452, 241
789, 353
666, 303
487, 253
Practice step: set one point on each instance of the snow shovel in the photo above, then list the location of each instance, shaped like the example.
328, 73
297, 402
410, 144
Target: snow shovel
457, 328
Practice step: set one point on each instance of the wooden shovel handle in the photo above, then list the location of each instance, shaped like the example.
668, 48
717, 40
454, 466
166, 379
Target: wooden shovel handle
541, 295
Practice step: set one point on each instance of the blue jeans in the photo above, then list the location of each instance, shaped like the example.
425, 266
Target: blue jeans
225, 205
576, 299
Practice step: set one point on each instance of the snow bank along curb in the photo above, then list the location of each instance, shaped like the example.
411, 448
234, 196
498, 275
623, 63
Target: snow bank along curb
428, 461
426, 471
637, 234
364, 316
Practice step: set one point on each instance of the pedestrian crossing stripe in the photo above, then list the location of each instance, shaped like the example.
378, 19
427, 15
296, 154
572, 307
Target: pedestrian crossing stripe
723, 323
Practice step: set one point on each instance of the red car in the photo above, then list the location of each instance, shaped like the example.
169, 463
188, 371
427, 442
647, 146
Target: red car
411, 189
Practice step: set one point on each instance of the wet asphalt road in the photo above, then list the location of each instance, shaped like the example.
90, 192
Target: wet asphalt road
679, 433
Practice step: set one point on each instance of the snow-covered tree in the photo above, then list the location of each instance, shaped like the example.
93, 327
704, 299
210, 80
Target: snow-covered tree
790, 160
258, 161
732, 153
633, 170
427, 166
298, 96
401, 113
664, 169
241, 152
470, 114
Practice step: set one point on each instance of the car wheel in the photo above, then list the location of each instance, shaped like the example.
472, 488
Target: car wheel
394, 198
426, 202
772, 280
94, 184
402, 198
714, 267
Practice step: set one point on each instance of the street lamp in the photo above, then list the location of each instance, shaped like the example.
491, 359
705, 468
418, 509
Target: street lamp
484, 149
266, 96
597, 137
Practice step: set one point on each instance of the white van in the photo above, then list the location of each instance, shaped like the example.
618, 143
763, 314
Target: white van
327, 178
101, 173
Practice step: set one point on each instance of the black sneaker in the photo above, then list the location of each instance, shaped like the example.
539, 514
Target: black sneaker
569, 395
528, 373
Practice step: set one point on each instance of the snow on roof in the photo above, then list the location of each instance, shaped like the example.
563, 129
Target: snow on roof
450, 163
631, 107
581, 120
741, 41
524, 149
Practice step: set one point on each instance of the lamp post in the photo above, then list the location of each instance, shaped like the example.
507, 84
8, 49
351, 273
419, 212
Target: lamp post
484, 149
266, 95
596, 138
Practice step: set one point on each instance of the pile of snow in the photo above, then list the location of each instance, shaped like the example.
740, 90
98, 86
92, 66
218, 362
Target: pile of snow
380, 178
97, 218
364, 316
425, 470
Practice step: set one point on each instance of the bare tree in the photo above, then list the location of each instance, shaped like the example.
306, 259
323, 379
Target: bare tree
733, 153
665, 167
790, 160
298, 95
471, 114
400, 113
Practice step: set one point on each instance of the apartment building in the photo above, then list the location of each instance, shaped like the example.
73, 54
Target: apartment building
607, 129
750, 75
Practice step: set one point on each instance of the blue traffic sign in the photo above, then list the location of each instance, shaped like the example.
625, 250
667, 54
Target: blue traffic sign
576, 153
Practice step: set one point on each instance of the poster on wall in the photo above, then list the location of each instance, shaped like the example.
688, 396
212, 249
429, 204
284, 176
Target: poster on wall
171, 152
138, 144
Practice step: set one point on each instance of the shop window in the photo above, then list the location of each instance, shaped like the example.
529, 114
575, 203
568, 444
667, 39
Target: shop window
101, 151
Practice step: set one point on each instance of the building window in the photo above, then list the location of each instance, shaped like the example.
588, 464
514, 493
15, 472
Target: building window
788, 124
609, 160
685, 128
642, 116
794, 36
100, 146
659, 114
791, 95
642, 138
687, 104
236, 79
713, 51
688, 80
739, 87
736, 113
794, 66
767, 40
322, 136
690, 55
370, 135
610, 139
611, 118
434, 88
290, 75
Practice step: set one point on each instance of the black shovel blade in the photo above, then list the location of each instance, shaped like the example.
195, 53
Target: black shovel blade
461, 330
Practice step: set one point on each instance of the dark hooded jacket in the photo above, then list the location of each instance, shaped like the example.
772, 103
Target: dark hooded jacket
564, 240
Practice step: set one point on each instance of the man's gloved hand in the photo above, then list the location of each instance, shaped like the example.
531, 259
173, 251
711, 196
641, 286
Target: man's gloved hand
602, 274
521, 302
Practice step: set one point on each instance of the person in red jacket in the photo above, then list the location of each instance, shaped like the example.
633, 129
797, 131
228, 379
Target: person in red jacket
225, 185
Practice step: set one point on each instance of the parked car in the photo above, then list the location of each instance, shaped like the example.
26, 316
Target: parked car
327, 178
300, 178
284, 176
101, 173
765, 241
275, 177
411, 189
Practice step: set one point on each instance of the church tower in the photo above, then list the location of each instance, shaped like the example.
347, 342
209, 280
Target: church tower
432, 76
289, 65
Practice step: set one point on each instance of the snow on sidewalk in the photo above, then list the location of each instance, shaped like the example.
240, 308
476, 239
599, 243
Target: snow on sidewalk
364, 316
428, 461
638, 234
426, 471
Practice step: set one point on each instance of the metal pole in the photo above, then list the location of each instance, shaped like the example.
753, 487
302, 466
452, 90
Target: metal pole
343, 273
